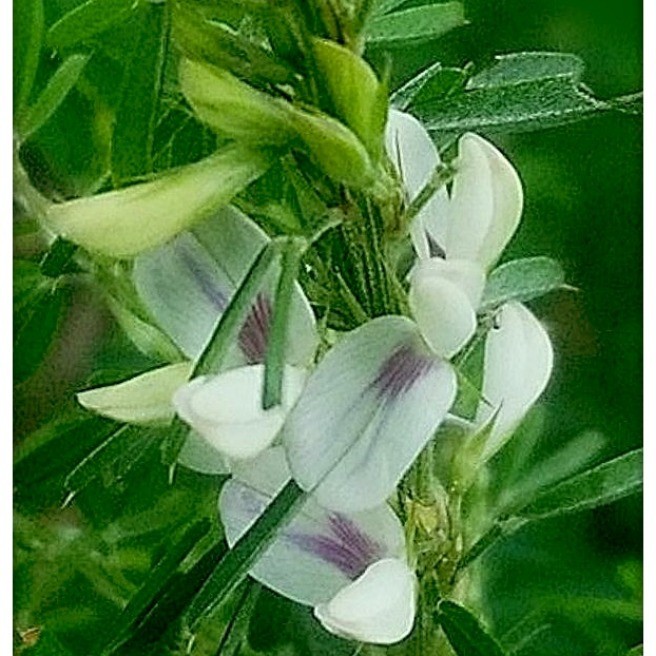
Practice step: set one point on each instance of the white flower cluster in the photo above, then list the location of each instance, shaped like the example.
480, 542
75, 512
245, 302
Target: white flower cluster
349, 428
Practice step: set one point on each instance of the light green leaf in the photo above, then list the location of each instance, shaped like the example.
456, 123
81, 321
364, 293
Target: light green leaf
603, 484
522, 280
132, 139
465, 633
87, 20
28, 37
58, 87
415, 25
526, 67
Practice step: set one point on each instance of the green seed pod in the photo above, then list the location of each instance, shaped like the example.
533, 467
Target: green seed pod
233, 108
338, 152
125, 222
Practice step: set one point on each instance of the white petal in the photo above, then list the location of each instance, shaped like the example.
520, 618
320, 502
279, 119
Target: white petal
310, 560
143, 399
443, 298
365, 414
226, 409
379, 607
486, 203
518, 364
415, 156
187, 284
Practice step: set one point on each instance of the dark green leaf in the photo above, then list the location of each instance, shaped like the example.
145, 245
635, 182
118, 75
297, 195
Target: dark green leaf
385, 6
216, 44
132, 140
226, 330
603, 484
527, 67
57, 260
114, 458
234, 635
234, 566
465, 633
571, 458
149, 593
28, 37
87, 20
38, 327
58, 87
434, 82
57, 447
275, 355
519, 107
522, 280
415, 25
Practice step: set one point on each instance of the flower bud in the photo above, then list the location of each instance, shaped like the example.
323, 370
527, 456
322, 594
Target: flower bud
125, 222
232, 107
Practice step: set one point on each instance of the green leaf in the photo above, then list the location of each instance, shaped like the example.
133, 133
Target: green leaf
603, 484
432, 83
58, 87
36, 333
57, 447
636, 651
114, 458
415, 25
28, 37
274, 364
150, 592
527, 67
233, 318
132, 140
386, 6
522, 280
57, 260
520, 92
465, 633
235, 565
577, 453
87, 20
518, 108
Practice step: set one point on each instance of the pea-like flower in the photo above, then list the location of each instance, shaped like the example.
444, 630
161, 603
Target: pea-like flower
458, 236
350, 566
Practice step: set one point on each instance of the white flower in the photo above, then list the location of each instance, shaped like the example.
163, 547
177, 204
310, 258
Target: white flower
351, 567
186, 285
458, 237
226, 410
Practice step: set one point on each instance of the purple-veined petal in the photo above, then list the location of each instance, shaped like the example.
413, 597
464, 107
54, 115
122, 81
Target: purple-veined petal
226, 409
319, 552
415, 157
187, 284
366, 412
146, 398
486, 203
379, 607
518, 364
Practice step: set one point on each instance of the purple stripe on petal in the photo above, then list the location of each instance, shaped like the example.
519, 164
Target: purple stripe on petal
347, 548
206, 284
254, 335
401, 371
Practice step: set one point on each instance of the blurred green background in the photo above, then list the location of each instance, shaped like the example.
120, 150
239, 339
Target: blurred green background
583, 206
